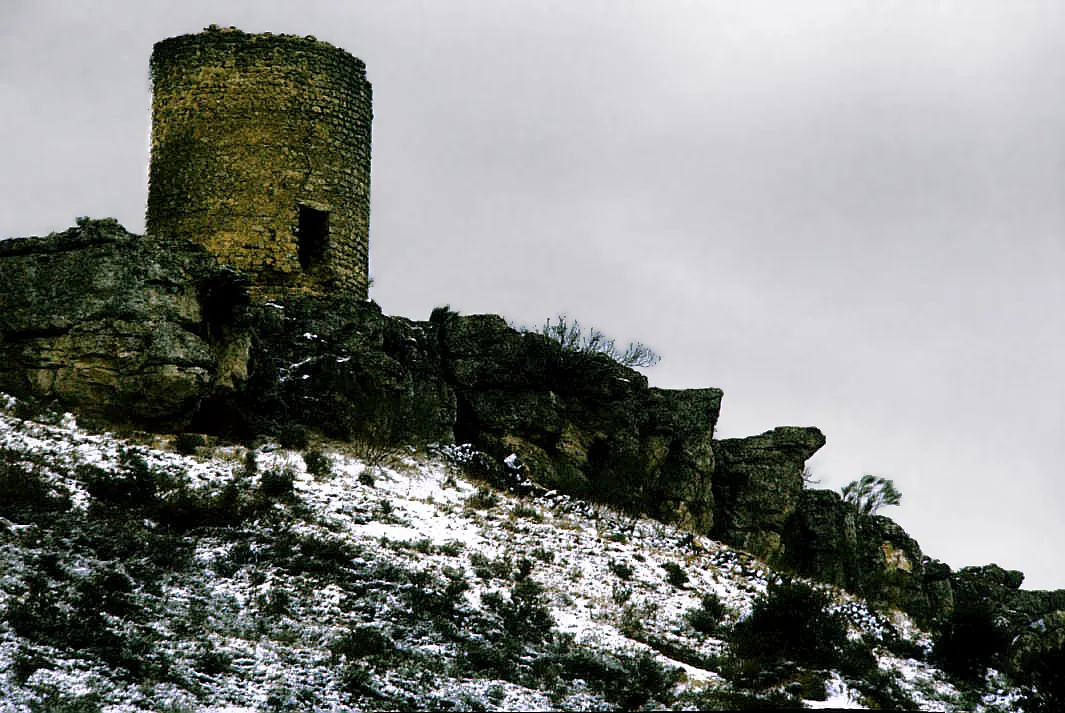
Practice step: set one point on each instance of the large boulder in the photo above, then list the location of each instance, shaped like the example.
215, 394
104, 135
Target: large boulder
581, 422
676, 440
821, 538
117, 326
757, 484
338, 365
830, 540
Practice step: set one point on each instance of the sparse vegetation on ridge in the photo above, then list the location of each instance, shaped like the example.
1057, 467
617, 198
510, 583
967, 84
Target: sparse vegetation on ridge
138, 580
575, 338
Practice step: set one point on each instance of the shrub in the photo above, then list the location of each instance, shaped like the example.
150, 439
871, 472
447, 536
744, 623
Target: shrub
484, 499
714, 699
630, 682
322, 556
430, 603
706, 619
134, 485
1042, 672
317, 463
645, 680
544, 555
633, 616
360, 643
210, 661
293, 437
187, 443
620, 570
251, 464
525, 615
376, 453
970, 641
790, 622
882, 690
277, 482
25, 661
486, 568
25, 492
521, 510
574, 339
183, 508
675, 574
871, 493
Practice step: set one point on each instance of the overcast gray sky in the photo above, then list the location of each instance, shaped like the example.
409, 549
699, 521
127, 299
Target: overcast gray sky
845, 214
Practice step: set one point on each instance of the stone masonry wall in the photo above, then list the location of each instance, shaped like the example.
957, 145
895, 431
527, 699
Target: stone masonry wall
246, 129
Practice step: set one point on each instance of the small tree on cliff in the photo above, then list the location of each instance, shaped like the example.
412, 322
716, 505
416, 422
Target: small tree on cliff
871, 493
573, 338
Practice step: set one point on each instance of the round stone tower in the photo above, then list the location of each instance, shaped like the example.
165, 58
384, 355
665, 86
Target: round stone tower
261, 152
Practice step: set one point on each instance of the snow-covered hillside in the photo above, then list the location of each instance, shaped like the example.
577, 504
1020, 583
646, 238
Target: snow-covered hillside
346, 577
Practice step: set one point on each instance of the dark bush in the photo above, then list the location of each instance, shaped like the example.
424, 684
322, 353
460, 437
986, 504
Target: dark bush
251, 464
715, 699
521, 510
25, 492
1043, 672
31, 409
790, 622
542, 554
307, 553
706, 619
134, 485
971, 641
675, 574
183, 509
187, 443
440, 606
483, 499
317, 463
882, 690
628, 681
212, 662
293, 437
620, 570
487, 568
25, 661
276, 483
361, 643
573, 338
525, 614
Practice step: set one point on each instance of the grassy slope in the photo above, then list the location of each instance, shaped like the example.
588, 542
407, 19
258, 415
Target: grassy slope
137, 579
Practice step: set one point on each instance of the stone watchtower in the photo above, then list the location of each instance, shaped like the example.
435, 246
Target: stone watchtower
261, 153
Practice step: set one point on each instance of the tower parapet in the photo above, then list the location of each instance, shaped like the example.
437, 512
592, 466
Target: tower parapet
261, 153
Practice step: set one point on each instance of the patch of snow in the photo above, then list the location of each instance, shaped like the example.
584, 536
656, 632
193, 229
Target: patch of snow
840, 697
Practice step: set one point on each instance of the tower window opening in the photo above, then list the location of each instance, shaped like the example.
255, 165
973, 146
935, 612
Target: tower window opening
312, 235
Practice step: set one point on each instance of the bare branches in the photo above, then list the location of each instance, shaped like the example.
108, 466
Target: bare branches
574, 339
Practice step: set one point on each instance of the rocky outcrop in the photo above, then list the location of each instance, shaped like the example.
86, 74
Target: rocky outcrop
757, 485
340, 366
152, 332
577, 422
829, 540
580, 422
122, 327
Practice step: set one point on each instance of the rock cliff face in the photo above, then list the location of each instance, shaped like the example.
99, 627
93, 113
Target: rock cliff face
760, 479
151, 332
113, 324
